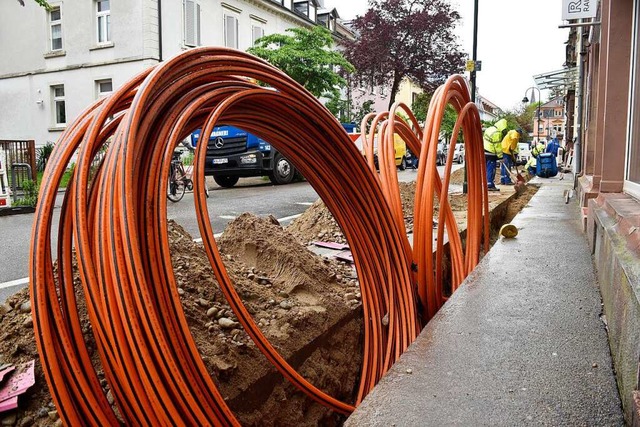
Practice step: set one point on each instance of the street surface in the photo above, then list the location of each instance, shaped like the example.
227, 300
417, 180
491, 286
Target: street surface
255, 195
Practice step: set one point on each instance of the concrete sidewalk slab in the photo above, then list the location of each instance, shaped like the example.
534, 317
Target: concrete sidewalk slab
520, 343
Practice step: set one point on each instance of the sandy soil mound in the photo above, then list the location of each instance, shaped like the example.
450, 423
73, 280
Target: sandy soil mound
317, 223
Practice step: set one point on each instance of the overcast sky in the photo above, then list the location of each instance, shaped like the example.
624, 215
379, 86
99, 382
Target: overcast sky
516, 40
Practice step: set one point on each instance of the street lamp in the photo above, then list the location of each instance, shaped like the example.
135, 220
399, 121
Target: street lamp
525, 100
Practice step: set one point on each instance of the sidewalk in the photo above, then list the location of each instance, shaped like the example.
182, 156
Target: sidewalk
520, 343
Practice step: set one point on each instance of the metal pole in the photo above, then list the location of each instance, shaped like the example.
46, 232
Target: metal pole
473, 75
475, 50
577, 148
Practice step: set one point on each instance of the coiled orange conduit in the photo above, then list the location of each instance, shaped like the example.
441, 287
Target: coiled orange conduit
114, 218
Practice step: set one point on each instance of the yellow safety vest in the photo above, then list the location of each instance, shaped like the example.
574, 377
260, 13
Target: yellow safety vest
493, 138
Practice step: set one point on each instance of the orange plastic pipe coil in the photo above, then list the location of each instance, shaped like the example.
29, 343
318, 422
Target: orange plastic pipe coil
113, 221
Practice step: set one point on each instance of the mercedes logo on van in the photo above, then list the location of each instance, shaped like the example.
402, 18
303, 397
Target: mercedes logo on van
219, 142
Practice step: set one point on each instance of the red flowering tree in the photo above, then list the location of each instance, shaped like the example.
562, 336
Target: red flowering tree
405, 38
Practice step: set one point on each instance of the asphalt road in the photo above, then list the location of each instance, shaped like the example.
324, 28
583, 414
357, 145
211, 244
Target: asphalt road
255, 195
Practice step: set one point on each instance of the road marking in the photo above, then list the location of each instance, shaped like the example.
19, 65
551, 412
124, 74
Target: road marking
227, 217
12, 283
199, 239
289, 218
304, 203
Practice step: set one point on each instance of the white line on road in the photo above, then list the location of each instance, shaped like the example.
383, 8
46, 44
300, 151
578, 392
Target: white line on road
288, 218
304, 203
227, 217
12, 283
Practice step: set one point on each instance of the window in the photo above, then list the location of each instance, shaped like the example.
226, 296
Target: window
302, 8
632, 175
103, 13
55, 22
103, 87
191, 12
59, 113
257, 31
230, 31
312, 12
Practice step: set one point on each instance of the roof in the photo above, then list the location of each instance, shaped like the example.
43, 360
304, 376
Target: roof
565, 78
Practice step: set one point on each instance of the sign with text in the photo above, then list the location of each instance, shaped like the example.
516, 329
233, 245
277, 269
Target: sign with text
579, 9
470, 65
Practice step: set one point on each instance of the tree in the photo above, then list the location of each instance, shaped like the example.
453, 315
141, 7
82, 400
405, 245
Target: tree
420, 107
306, 56
400, 39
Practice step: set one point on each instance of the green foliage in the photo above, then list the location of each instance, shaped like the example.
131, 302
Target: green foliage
306, 56
363, 110
30, 197
42, 155
338, 107
187, 159
420, 106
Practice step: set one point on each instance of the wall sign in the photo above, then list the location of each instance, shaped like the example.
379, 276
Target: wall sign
578, 9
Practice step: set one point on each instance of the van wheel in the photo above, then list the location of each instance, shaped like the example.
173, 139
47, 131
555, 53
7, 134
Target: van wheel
460, 159
226, 181
283, 170
403, 163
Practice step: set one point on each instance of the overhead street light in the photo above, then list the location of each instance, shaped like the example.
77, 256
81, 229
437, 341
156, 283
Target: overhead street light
525, 100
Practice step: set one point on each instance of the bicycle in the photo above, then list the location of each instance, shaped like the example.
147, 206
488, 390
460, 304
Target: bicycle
179, 181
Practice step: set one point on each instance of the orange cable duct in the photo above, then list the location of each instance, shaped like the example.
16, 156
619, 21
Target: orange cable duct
114, 220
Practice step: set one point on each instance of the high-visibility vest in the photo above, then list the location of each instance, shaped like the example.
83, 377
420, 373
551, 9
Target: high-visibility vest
493, 138
539, 148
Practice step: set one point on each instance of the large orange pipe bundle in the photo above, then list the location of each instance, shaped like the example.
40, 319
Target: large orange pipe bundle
114, 220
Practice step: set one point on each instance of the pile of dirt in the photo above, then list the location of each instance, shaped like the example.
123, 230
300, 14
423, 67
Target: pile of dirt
308, 307
317, 223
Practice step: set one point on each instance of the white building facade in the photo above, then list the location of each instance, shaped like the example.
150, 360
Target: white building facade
55, 63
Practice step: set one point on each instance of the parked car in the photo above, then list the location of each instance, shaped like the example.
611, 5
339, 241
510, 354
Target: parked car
458, 154
524, 152
399, 147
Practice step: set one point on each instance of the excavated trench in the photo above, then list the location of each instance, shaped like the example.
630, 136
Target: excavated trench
306, 305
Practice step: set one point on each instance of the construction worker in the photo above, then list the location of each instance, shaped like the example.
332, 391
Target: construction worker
553, 146
493, 150
533, 160
509, 155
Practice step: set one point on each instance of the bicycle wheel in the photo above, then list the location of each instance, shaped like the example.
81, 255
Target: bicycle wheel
175, 191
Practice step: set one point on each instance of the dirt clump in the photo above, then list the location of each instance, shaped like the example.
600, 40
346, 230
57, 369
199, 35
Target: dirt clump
308, 307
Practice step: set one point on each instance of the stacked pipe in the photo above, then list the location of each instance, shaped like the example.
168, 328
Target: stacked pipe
113, 220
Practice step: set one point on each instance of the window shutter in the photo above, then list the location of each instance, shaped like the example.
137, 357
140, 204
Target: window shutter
231, 31
257, 33
198, 39
189, 23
